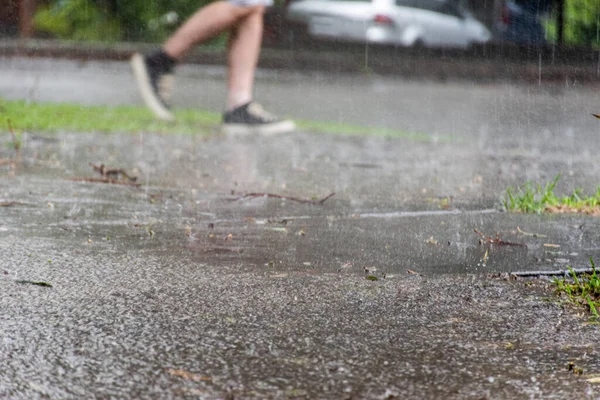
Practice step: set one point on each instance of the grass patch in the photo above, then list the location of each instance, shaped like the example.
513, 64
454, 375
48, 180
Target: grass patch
533, 198
583, 290
50, 117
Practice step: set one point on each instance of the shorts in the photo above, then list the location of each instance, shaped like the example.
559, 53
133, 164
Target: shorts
251, 3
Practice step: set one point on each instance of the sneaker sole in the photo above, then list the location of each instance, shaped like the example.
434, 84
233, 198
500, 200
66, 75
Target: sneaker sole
143, 82
273, 129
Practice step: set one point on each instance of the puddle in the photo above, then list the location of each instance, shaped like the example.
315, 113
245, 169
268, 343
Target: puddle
278, 235
400, 217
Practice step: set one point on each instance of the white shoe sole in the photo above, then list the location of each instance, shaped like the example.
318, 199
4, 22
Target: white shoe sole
145, 87
276, 128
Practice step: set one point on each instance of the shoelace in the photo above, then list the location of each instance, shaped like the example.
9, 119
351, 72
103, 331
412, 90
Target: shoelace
258, 111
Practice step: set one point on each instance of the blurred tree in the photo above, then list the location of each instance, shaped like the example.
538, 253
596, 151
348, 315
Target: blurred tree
577, 23
582, 22
77, 20
137, 20
143, 20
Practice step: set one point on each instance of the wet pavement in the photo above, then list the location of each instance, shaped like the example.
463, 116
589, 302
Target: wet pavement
185, 288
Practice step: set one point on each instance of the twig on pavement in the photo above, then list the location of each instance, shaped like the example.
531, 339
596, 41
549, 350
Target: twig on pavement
11, 203
283, 197
105, 180
497, 241
530, 234
559, 272
108, 172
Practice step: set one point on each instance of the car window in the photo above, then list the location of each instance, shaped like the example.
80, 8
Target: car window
407, 3
413, 3
450, 9
430, 5
441, 6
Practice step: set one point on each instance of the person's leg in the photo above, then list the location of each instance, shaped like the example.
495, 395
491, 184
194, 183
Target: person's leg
154, 72
205, 24
243, 50
243, 116
244, 18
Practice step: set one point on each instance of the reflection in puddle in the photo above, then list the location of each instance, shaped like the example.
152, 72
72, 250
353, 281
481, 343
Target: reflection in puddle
275, 236
381, 218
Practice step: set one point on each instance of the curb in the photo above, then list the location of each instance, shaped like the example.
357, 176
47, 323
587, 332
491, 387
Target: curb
484, 64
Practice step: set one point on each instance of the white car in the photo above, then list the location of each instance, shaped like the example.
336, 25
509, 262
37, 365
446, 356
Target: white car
430, 23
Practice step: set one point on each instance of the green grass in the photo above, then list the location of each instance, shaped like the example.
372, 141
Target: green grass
50, 117
535, 198
583, 290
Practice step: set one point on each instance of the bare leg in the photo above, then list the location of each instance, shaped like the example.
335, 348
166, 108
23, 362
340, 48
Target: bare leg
243, 51
245, 24
206, 23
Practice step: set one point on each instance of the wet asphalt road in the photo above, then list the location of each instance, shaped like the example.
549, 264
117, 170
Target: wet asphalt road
180, 288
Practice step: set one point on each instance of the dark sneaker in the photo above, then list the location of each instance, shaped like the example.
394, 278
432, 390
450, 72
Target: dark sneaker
251, 118
155, 83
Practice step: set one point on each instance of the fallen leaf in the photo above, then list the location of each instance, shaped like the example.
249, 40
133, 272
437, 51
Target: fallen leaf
278, 276
189, 375
372, 278
431, 240
485, 257
410, 271
530, 234
11, 203
26, 282
277, 229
